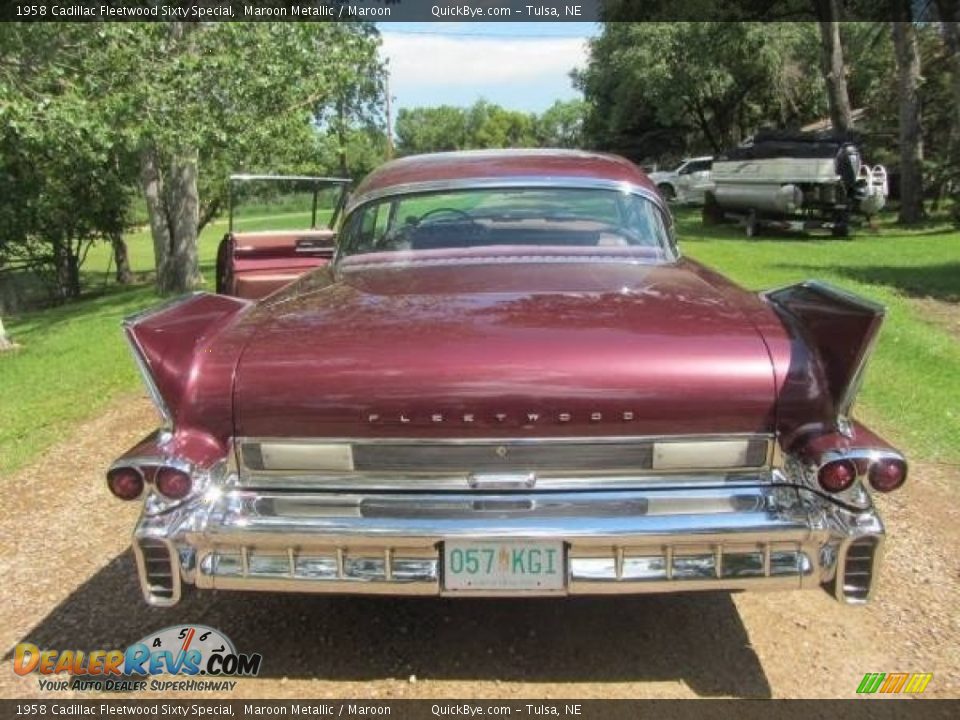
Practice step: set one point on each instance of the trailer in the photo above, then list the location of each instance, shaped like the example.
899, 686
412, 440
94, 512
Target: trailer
797, 181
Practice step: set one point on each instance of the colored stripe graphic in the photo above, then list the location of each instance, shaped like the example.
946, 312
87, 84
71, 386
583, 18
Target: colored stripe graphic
870, 683
918, 682
893, 683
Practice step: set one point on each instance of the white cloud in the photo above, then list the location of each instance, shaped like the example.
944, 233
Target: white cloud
447, 68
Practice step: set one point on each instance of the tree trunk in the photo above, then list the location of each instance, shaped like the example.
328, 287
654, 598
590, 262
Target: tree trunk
911, 140
183, 267
173, 204
67, 268
122, 260
342, 136
5, 342
151, 181
832, 65
949, 11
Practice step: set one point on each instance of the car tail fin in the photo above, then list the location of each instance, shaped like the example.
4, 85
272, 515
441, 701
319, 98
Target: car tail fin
840, 328
165, 341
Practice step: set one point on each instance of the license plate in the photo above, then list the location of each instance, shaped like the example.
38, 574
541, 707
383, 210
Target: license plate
503, 565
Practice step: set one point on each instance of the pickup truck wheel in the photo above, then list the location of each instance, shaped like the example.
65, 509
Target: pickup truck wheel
669, 194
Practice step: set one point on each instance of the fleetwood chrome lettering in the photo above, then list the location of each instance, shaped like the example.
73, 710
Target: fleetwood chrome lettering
502, 418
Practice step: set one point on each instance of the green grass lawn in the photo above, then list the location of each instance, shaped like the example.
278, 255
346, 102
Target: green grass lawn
73, 360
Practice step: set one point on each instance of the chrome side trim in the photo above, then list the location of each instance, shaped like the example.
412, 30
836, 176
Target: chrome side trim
489, 183
166, 305
243, 177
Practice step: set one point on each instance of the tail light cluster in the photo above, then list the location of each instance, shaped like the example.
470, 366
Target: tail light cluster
884, 474
128, 482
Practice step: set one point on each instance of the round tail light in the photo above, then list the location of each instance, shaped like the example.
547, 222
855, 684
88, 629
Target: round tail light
837, 476
125, 482
887, 474
173, 483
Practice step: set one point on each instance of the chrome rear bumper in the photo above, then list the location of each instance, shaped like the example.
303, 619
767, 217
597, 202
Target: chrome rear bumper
625, 541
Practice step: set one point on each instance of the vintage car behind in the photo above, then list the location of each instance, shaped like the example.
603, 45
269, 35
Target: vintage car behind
795, 181
253, 263
508, 382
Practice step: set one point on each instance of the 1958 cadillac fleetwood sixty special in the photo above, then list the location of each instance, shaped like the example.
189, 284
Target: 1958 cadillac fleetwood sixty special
508, 381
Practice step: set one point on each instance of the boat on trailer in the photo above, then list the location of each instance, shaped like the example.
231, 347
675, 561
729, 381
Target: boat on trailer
798, 181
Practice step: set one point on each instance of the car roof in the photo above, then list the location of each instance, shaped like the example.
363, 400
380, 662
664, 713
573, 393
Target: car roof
497, 164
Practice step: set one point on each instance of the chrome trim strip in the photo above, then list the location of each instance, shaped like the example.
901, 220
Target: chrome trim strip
241, 177
573, 439
425, 482
166, 305
516, 181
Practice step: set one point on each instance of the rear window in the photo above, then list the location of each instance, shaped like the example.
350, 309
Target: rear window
514, 217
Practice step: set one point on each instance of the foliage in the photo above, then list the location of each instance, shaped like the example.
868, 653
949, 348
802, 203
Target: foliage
486, 125
65, 181
178, 104
697, 85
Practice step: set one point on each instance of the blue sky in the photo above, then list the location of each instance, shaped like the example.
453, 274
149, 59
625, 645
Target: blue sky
521, 66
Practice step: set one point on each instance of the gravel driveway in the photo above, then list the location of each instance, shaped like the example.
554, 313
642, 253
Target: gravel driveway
69, 583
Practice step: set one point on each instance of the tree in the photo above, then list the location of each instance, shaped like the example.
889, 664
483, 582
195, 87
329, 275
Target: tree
911, 138
65, 181
431, 129
697, 84
199, 108
561, 125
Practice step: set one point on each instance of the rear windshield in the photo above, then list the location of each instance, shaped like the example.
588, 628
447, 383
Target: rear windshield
515, 217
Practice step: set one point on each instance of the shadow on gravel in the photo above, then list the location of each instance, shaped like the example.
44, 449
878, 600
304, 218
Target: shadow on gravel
698, 639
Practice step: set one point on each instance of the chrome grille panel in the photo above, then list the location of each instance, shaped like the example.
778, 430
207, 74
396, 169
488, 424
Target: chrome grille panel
690, 563
322, 567
503, 457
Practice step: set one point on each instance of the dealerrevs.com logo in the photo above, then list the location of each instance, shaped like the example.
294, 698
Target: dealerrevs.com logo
186, 650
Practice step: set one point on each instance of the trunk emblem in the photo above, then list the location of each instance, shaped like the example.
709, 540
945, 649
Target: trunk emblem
502, 451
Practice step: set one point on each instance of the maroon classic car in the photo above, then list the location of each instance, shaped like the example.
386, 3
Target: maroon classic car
254, 264
508, 381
